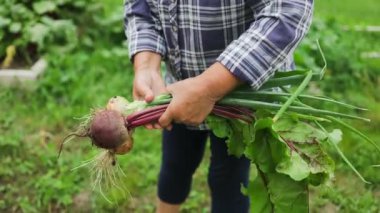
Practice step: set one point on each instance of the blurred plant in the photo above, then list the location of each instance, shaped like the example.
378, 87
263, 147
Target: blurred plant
33, 28
343, 49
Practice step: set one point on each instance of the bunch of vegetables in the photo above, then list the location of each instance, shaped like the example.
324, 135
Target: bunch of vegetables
283, 137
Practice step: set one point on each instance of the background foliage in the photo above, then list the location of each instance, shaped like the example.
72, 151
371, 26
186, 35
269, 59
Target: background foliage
84, 44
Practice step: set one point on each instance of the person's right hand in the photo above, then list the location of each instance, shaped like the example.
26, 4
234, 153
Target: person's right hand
148, 82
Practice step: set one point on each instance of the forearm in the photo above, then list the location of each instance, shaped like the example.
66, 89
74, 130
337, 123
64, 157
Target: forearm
218, 81
269, 42
147, 61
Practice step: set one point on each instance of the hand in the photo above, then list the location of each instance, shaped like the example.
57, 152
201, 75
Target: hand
194, 98
148, 82
191, 103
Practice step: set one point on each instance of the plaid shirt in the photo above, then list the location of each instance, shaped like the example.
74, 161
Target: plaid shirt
251, 38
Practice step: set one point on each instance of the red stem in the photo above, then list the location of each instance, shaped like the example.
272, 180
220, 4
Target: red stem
150, 115
227, 114
143, 112
238, 110
143, 121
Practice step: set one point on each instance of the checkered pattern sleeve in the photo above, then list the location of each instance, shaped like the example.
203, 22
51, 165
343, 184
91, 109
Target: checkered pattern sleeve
142, 28
278, 28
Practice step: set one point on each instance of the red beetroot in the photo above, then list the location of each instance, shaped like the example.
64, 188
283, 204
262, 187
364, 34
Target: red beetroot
108, 129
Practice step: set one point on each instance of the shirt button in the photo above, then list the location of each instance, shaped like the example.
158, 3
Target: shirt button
174, 28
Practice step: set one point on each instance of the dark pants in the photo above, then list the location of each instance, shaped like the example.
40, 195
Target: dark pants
182, 151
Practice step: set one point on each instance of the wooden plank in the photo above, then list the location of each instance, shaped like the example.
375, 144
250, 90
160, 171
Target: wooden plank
370, 55
359, 28
12, 76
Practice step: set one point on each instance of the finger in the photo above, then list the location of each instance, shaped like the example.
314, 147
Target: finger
159, 88
157, 126
165, 119
149, 126
149, 97
145, 93
170, 127
136, 96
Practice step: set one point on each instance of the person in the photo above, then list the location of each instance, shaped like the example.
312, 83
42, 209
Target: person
209, 47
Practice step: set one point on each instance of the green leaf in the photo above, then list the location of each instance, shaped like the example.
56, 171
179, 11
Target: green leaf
15, 27
304, 140
42, 7
335, 136
238, 134
354, 130
248, 132
265, 123
284, 125
279, 149
4, 21
295, 167
274, 192
317, 158
37, 33
288, 161
288, 195
259, 196
341, 154
298, 131
219, 126
259, 150
238, 138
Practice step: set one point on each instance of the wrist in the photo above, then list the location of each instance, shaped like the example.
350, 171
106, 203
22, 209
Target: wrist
147, 62
217, 81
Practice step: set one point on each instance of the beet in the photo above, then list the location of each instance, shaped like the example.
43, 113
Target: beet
108, 129
125, 147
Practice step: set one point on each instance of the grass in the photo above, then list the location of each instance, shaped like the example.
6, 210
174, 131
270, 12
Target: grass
350, 12
34, 120
38, 118
346, 193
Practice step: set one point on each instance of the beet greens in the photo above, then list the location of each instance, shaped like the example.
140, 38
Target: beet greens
284, 138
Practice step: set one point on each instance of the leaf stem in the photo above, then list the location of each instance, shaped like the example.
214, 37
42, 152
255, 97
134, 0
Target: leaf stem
293, 97
274, 106
341, 154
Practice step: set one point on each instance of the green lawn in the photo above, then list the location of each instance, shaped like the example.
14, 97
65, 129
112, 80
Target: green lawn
346, 193
350, 12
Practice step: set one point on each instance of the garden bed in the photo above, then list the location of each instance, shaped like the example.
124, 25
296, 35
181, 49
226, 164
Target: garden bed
13, 76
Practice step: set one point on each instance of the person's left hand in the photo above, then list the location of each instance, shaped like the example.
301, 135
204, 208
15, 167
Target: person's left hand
194, 98
191, 103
